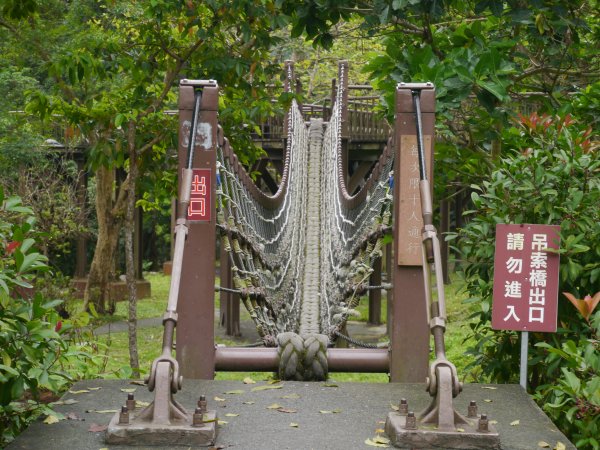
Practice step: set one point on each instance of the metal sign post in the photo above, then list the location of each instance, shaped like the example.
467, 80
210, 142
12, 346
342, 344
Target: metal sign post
524, 353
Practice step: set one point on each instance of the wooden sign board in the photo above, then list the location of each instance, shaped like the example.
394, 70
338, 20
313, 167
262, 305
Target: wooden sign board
410, 226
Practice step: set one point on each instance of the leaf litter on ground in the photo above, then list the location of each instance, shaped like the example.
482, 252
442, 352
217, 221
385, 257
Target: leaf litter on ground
291, 396
96, 428
378, 441
235, 392
266, 387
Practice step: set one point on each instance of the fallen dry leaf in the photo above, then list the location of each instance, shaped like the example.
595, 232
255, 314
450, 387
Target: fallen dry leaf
291, 396
235, 392
219, 399
379, 430
294, 425
372, 443
335, 411
222, 422
514, 423
138, 382
249, 403
394, 407
141, 404
128, 390
287, 410
492, 388
231, 415
381, 440
103, 448
493, 422
461, 430
249, 380
266, 387
95, 428
69, 401
51, 419
560, 446
487, 400
101, 411
72, 416
94, 388
333, 385
543, 444
273, 381
82, 391
274, 406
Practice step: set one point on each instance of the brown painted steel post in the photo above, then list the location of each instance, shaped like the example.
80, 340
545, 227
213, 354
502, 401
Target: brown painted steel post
225, 275
195, 328
409, 330
375, 295
230, 303
343, 68
288, 82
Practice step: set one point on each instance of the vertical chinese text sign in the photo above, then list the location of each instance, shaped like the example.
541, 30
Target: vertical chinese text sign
526, 278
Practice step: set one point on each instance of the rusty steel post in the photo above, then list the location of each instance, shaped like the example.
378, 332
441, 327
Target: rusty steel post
229, 302
409, 332
343, 68
195, 330
375, 295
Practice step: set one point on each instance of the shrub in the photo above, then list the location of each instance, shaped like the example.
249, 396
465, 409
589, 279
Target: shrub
33, 348
573, 399
549, 175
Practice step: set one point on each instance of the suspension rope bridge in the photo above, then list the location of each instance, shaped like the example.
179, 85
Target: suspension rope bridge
300, 260
302, 257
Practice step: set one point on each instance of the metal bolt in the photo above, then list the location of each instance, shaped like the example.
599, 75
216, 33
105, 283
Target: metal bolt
483, 425
130, 402
472, 409
203, 404
198, 418
411, 421
403, 409
124, 416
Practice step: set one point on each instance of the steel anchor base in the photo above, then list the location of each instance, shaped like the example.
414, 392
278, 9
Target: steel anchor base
178, 433
427, 436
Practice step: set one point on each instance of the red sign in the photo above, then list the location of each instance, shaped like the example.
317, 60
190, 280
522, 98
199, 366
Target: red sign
199, 208
526, 278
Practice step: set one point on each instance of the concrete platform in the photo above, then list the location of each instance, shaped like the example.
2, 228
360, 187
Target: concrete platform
341, 417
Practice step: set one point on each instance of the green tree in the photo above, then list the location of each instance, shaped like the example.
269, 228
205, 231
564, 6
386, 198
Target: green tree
110, 69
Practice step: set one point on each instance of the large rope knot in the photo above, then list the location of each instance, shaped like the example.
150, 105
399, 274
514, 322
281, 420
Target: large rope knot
302, 358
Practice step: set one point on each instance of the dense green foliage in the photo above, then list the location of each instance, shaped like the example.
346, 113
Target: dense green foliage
33, 350
106, 72
573, 399
550, 177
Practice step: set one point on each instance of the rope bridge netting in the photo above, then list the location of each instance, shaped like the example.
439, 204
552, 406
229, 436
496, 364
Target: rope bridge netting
302, 257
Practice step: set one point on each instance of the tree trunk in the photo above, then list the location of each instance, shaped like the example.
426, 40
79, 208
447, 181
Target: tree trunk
97, 290
129, 253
